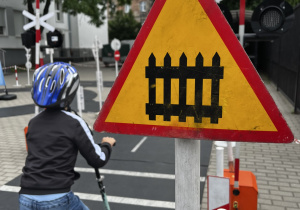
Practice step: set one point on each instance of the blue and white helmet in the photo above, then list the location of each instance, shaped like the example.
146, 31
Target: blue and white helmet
54, 85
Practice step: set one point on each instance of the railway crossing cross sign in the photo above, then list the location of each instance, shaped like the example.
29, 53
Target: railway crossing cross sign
41, 21
187, 76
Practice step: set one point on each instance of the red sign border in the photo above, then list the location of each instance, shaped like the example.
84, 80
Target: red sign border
283, 134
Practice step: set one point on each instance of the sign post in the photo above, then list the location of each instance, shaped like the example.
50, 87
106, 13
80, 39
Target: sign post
117, 58
242, 21
80, 100
187, 173
96, 46
51, 52
37, 35
116, 45
28, 64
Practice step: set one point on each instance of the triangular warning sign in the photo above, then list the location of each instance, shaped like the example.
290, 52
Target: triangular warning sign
187, 76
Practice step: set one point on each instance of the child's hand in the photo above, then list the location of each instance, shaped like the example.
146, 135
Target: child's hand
109, 140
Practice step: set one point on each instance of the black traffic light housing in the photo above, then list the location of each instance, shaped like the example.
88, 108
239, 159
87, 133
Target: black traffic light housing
28, 38
272, 18
54, 39
226, 12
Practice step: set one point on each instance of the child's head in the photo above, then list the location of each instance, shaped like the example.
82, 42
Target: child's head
54, 85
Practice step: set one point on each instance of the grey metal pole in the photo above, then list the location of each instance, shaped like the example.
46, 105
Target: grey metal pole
220, 161
187, 174
117, 70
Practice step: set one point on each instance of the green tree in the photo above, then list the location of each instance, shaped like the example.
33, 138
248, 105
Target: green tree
95, 9
123, 26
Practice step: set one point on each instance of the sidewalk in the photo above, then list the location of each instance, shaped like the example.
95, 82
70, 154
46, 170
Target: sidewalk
276, 166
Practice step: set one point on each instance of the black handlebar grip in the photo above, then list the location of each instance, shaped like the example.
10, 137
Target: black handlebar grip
97, 173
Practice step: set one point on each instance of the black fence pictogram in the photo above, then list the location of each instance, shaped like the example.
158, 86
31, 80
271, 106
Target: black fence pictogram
184, 72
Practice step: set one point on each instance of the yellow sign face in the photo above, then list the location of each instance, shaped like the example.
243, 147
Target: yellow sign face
184, 72
189, 34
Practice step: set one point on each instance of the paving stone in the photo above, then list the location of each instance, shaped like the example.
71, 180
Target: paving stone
262, 191
271, 197
265, 201
292, 199
285, 204
282, 193
270, 207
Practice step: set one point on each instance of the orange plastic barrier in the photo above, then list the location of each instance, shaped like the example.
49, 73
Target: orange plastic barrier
248, 192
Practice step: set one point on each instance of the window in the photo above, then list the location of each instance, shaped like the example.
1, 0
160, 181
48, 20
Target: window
19, 22
143, 6
127, 8
2, 21
58, 11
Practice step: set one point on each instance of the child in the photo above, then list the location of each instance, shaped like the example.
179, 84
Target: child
54, 138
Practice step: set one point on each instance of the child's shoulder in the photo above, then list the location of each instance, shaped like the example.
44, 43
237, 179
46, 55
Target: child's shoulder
72, 115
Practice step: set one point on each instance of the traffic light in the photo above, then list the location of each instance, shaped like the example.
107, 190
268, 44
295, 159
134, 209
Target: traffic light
272, 18
54, 39
28, 38
226, 12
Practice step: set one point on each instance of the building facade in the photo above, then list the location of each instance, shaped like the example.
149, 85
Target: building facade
139, 8
78, 34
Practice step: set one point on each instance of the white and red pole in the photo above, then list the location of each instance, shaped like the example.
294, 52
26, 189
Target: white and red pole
237, 147
237, 165
37, 35
41, 59
37, 42
242, 21
230, 157
16, 74
117, 57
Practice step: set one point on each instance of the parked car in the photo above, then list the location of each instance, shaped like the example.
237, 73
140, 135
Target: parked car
108, 53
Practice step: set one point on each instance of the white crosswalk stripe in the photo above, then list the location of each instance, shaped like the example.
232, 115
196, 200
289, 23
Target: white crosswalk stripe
131, 173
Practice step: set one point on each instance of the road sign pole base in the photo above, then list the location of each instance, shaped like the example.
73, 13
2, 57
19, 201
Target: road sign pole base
7, 97
187, 174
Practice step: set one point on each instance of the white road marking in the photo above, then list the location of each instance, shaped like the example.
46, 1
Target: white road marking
139, 144
9, 188
111, 199
128, 173
128, 201
132, 173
